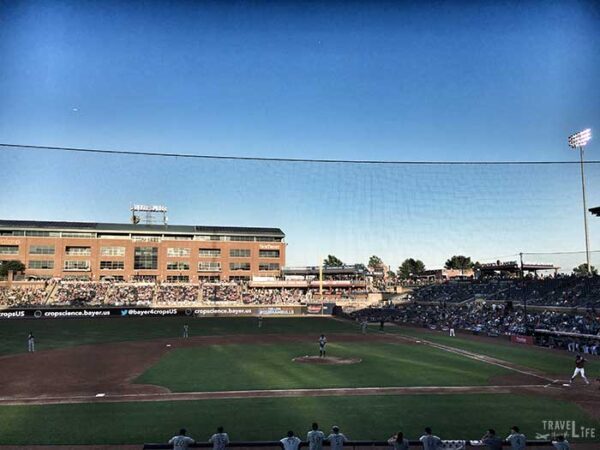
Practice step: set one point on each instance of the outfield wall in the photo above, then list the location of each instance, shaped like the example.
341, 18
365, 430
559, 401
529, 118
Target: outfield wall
199, 311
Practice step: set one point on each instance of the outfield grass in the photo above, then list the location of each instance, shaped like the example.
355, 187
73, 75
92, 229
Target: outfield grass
371, 417
270, 366
544, 360
59, 333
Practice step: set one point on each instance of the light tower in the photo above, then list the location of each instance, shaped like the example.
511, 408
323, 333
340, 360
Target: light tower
579, 141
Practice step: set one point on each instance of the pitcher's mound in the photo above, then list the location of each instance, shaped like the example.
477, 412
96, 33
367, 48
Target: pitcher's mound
331, 360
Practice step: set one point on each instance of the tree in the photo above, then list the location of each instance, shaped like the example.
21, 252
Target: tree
411, 267
459, 262
14, 265
582, 270
375, 262
332, 261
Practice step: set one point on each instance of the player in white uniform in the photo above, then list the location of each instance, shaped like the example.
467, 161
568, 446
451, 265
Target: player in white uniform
322, 344
30, 343
336, 439
186, 331
315, 438
290, 442
579, 369
181, 441
219, 440
260, 319
517, 440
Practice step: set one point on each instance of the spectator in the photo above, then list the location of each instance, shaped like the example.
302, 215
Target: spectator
219, 440
290, 442
315, 438
430, 441
181, 441
399, 442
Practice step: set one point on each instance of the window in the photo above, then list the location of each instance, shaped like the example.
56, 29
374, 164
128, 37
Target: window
239, 278
41, 250
178, 252
178, 265
241, 238
209, 238
114, 236
9, 249
42, 233
143, 238
268, 266
209, 278
177, 238
268, 253
78, 251
210, 252
69, 234
209, 266
77, 265
112, 278
239, 253
41, 264
145, 258
239, 266
112, 265
268, 239
178, 279
112, 251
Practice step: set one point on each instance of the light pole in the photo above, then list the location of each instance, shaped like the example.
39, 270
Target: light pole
579, 141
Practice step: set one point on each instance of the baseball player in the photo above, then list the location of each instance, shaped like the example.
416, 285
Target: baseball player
315, 438
399, 442
181, 441
516, 439
186, 332
290, 442
561, 443
430, 441
219, 440
322, 344
491, 441
363, 326
260, 319
579, 369
452, 334
30, 343
336, 439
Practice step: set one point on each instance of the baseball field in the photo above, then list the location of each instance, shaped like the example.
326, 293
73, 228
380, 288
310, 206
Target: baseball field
136, 380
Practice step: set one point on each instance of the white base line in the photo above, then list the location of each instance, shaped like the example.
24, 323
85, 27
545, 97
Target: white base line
474, 356
214, 395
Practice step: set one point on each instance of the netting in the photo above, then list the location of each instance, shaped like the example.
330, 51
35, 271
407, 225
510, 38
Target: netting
353, 211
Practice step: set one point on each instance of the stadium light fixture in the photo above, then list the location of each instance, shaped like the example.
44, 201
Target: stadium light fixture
579, 141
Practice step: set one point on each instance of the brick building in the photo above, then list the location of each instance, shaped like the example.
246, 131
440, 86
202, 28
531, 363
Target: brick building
173, 253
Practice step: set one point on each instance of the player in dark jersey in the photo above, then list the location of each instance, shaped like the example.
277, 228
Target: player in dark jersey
579, 369
322, 344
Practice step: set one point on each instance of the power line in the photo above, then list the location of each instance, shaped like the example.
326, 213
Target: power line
560, 253
291, 160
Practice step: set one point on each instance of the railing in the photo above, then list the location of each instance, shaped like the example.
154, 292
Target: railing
449, 444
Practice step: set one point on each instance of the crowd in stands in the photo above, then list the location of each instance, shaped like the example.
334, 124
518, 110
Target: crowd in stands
221, 292
102, 294
562, 290
22, 297
495, 319
276, 296
315, 440
177, 294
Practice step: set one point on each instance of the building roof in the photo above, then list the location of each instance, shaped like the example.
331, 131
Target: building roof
131, 228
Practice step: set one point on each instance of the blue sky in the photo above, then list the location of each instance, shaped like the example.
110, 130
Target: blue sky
402, 81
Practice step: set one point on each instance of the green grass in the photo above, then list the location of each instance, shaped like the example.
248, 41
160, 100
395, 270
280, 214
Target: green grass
270, 366
549, 362
370, 417
59, 333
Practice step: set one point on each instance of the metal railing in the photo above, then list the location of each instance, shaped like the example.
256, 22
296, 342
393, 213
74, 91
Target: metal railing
449, 444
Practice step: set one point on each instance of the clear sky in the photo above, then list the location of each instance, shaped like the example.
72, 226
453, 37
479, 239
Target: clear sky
350, 80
